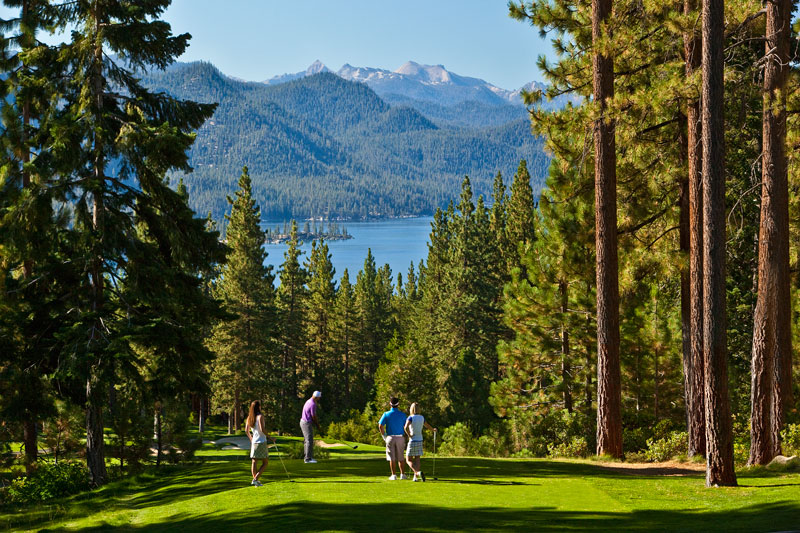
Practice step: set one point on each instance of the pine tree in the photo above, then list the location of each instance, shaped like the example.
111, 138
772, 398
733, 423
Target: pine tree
372, 308
520, 221
26, 213
343, 337
546, 312
128, 135
244, 367
292, 294
694, 363
772, 346
320, 370
609, 417
719, 438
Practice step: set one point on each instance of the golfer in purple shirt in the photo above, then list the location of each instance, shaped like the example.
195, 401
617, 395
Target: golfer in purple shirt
307, 422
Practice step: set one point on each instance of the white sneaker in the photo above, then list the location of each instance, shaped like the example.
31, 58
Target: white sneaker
392, 477
416, 478
311, 461
403, 476
257, 483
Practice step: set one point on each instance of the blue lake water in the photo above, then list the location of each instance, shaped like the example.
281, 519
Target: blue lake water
397, 242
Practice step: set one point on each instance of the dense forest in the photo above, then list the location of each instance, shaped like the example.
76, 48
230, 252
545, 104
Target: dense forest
641, 307
324, 146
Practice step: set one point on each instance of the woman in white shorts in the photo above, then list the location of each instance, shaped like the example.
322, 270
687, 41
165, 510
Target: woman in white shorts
414, 425
254, 429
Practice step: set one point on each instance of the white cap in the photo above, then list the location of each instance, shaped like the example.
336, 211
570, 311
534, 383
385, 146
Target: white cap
317, 394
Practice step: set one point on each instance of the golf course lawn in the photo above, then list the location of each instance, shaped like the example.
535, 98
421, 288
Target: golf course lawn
350, 491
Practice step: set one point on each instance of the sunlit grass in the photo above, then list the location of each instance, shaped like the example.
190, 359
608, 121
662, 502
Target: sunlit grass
350, 492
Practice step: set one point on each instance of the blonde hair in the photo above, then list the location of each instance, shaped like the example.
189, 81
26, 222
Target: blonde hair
413, 408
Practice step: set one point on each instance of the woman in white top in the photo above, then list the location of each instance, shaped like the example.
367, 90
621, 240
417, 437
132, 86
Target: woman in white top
254, 429
414, 425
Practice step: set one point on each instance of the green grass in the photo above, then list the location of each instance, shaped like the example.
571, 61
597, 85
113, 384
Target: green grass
351, 492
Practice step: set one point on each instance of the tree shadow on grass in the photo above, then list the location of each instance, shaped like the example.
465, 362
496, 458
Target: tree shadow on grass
175, 484
314, 516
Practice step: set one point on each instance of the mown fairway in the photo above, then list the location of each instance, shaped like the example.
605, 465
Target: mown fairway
350, 492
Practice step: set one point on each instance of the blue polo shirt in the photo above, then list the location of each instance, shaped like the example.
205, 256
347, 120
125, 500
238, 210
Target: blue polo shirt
394, 420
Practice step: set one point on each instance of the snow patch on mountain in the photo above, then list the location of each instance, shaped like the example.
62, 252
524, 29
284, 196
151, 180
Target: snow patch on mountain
427, 83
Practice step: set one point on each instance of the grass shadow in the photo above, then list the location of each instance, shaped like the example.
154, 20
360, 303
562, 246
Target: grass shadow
315, 516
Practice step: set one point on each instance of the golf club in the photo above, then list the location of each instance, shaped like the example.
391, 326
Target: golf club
282, 463
434, 456
350, 446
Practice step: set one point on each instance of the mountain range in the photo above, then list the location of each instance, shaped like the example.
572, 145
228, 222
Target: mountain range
318, 144
428, 83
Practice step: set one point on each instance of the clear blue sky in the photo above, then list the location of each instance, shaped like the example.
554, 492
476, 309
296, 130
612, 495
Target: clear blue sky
257, 39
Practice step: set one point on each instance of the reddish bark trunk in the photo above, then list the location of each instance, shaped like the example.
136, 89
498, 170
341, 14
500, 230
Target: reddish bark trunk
693, 367
719, 441
775, 76
609, 420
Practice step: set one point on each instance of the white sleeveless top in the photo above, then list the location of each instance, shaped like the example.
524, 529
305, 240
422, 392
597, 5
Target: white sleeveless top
417, 423
258, 437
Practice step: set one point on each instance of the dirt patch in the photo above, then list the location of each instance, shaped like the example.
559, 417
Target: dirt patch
322, 444
667, 468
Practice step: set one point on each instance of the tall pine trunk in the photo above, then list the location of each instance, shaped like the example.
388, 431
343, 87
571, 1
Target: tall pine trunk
779, 16
694, 359
95, 445
566, 377
719, 438
236, 408
201, 416
609, 420
31, 444
29, 425
157, 432
771, 324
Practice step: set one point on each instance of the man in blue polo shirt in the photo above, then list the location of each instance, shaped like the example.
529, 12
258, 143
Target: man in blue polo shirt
391, 427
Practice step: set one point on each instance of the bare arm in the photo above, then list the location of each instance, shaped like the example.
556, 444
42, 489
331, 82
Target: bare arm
406, 428
382, 428
429, 426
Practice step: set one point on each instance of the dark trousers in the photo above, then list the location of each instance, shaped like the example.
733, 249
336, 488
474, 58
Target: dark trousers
308, 439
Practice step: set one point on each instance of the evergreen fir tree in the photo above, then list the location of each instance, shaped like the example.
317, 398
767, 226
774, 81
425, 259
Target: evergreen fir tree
244, 368
292, 294
127, 135
29, 262
344, 338
520, 227
320, 370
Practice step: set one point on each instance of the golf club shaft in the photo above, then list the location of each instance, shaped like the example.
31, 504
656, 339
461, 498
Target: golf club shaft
282, 463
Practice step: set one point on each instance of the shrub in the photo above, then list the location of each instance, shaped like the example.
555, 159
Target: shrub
791, 439
741, 441
635, 439
664, 449
458, 439
495, 441
357, 427
294, 450
51, 480
524, 453
575, 447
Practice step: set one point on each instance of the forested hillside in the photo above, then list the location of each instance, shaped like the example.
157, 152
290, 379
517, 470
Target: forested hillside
324, 146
